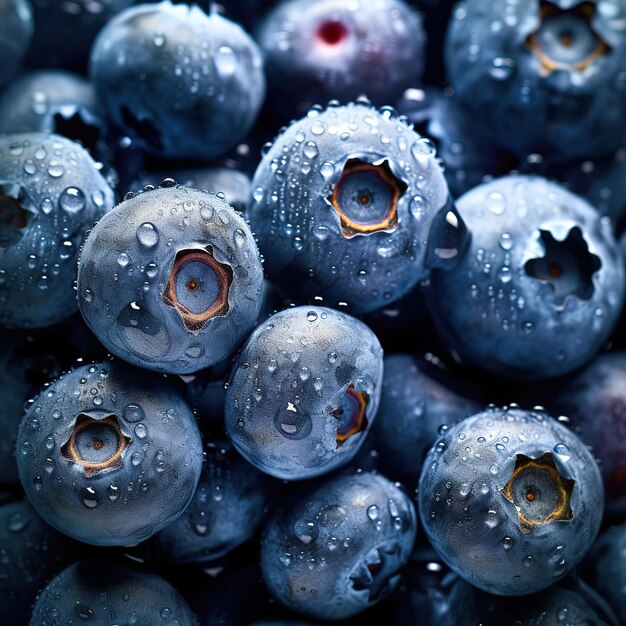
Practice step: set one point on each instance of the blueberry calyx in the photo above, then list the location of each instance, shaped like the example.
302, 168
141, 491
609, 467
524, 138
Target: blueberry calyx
539, 493
353, 417
14, 217
378, 571
198, 287
366, 198
96, 443
565, 39
567, 266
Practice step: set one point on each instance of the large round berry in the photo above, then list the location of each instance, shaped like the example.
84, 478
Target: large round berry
106, 592
542, 76
351, 206
179, 82
304, 391
171, 279
109, 454
541, 267
511, 500
320, 50
51, 192
338, 547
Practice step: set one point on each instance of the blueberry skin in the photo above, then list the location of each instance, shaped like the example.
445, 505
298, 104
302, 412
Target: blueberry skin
416, 400
475, 527
301, 233
316, 550
32, 552
595, 400
303, 392
60, 193
233, 184
179, 82
542, 264
101, 591
16, 31
65, 31
319, 50
227, 508
112, 482
608, 569
132, 257
53, 101
553, 607
562, 113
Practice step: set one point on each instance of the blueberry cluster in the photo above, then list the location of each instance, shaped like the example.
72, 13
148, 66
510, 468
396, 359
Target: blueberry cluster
313, 311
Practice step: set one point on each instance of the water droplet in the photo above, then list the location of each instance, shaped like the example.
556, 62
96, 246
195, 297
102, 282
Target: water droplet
226, 61
72, 200
147, 235
562, 451
123, 259
113, 493
141, 431
311, 316
89, 498
311, 150
55, 169
133, 413
327, 169
507, 543
18, 522
495, 202
372, 512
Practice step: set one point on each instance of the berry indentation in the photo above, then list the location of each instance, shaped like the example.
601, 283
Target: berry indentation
96, 444
565, 39
567, 266
539, 493
14, 218
351, 414
198, 287
366, 198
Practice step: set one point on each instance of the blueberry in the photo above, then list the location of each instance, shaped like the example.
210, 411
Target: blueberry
105, 592
179, 82
108, 454
303, 392
542, 76
608, 568
595, 401
52, 101
417, 399
511, 500
542, 265
51, 192
227, 508
232, 183
553, 607
65, 31
16, 31
318, 50
338, 547
343, 204
171, 279
31, 553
